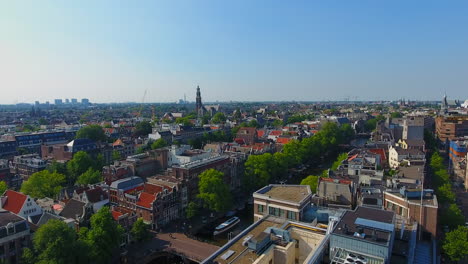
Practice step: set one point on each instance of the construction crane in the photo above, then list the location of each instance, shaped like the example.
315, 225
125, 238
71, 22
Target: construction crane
141, 105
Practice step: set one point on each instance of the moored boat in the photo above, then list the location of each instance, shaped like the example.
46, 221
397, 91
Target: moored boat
226, 225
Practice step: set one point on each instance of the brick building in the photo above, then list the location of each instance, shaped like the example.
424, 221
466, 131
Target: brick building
248, 135
451, 127
408, 203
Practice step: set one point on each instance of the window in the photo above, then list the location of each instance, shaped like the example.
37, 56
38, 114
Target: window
260, 208
275, 211
291, 215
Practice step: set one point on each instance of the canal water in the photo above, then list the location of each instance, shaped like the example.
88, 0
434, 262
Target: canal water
246, 219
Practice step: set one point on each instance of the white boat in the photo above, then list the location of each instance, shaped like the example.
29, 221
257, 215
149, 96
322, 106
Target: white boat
226, 225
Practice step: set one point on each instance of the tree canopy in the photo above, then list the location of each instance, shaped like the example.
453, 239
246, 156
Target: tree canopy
159, 143
55, 242
312, 181
44, 184
93, 132
90, 176
219, 118
143, 128
456, 243
184, 121
192, 210
338, 161
79, 164
213, 191
104, 236
140, 230
452, 217
116, 155
56, 166
3, 187
259, 169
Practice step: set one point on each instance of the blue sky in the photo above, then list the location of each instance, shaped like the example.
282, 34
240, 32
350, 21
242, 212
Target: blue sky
112, 51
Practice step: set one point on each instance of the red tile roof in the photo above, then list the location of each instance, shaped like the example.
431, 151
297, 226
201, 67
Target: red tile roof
116, 215
335, 180
283, 140
260, 133
380, 152
353, 157
14, 202
146, 199
152, 188
136, 189
276, 133
239, 141
118, 142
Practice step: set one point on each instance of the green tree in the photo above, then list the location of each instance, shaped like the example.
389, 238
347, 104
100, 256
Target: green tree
56, 166
55, 242
338, 161
90, 176
456, 244
277, 123
185, 121
192, 210
3, 187
253, 123
159, 143
312, 181
104, 236
294, 153
93, 132
219, 118
43, 184
259, 169
452, 217
143, 128
237, 114
437, 162
213, 191
79, 164
396, 115
140, 150
371, 124
42, 121
116, 155
140, 230
196, 143
445, 194
347, 133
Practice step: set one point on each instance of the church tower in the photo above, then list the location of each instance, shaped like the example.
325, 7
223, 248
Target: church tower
199, 105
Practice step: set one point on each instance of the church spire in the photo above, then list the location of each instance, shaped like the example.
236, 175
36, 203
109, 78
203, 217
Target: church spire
199, 105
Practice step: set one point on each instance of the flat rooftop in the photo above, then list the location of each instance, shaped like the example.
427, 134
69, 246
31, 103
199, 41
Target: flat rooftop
376, 225
290, 193
241, 254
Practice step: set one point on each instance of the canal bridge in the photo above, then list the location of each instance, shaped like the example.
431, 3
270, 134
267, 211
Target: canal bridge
171, 243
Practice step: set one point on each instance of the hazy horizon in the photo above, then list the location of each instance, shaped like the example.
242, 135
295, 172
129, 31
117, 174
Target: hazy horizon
257, 51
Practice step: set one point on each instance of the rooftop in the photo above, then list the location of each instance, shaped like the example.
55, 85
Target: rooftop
8, 217
237, 250
290, 193
368, 224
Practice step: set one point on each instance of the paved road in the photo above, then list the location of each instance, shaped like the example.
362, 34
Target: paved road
171, 242
192, 249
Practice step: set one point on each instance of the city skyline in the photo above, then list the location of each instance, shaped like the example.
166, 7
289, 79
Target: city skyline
238, 51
